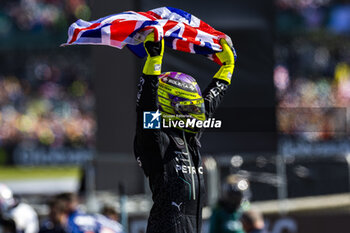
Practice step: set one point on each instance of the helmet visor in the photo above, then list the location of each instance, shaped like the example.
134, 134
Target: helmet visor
190, 106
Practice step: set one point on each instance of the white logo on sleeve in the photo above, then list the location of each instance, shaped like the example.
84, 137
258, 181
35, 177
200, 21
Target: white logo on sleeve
157, 67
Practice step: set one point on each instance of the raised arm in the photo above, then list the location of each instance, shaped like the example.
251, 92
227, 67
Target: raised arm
215, 92
147, 141
148, 85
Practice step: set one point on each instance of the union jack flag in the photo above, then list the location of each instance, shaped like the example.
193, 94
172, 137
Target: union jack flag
181, 31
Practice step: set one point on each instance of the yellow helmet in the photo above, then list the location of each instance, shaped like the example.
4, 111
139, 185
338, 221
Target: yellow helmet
180, 98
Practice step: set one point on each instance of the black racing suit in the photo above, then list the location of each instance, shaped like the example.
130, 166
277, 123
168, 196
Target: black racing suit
170, 158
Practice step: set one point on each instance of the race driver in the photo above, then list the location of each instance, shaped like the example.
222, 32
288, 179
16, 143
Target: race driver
170, 157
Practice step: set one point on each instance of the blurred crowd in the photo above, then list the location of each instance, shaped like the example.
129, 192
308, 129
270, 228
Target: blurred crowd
50, 102
312, 72
46, 99
299, 4
36, 15
64, 216
231, 214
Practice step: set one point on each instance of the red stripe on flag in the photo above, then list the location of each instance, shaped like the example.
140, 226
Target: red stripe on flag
217, 60
189, 34
169, 25
205, 27
208, 29
183, 46
154, 14
156, 37
78, 30
149, 15
216, 41
120, 30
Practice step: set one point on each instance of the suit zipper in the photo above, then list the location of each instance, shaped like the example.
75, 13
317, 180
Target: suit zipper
191, 167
